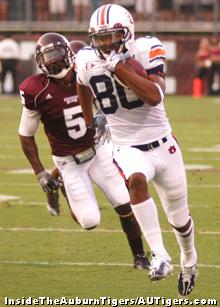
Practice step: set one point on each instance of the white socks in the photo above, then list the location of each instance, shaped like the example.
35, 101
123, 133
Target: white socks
187, 247
147, 217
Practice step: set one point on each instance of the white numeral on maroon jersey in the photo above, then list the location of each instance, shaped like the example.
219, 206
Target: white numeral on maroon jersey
74, 121
22, 97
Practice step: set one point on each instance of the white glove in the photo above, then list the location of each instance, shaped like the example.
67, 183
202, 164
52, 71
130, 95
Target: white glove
111, 63
113, 60
102, 130
47, 181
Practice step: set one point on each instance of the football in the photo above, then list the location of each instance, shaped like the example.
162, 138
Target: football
135, 66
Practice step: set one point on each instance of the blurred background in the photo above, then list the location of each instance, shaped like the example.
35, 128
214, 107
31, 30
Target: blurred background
189, 30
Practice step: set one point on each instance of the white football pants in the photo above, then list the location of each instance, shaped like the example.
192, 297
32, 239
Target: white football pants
79, 188
165, 168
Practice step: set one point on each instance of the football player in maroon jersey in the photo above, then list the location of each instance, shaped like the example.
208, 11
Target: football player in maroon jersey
53, 205
50, 97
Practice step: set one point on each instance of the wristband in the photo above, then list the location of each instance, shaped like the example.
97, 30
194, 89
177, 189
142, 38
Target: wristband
91, 125
160, 91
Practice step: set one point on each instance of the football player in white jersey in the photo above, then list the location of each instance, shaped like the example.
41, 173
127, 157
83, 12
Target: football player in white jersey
144, 147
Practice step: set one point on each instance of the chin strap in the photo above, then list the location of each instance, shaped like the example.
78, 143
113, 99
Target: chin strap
61, 75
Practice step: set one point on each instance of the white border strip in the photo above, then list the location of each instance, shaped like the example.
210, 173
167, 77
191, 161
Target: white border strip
29, 229
37, 203
48, 263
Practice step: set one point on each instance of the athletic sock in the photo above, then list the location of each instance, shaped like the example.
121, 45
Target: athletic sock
185, 239
147, 217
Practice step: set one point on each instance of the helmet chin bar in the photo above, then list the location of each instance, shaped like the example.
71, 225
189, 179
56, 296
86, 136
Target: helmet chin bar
60, 75
121, 44
105, 56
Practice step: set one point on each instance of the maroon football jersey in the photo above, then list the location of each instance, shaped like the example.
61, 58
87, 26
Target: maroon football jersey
60, 112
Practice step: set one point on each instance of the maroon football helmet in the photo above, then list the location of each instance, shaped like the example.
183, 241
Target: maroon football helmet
53, 55
76, 45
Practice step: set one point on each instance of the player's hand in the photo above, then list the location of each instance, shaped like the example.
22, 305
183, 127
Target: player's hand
114, 60
106, 136
47, 181
102, 130
111, 64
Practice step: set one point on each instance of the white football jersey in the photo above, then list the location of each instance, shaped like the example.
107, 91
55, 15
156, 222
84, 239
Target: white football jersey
131, 121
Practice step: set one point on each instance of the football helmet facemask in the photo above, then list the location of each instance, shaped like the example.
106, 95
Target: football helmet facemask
53, 55
111, 29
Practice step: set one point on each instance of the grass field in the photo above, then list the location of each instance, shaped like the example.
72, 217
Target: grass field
41, 255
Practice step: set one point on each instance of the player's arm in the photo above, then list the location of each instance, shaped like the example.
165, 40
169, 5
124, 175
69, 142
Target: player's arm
150, 90
28, 126
86, 101
30, 150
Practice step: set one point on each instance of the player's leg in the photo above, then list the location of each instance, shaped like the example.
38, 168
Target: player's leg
53, 204
132, 230
171, 186
79, 191
108, 178
138, 169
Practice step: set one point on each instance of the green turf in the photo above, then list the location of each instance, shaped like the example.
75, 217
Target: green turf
60, 261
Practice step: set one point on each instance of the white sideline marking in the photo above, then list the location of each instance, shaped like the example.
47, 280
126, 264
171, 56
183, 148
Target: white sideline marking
207, 186
203, 158
214, 233
195, 167
215, 148
16, 184
20, 202
25, 203
48, 263
21, 171
27, 229
213, 186
4, 198
37, 203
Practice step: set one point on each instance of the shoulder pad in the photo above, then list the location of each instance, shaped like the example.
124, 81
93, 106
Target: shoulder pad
34, 84
31, 88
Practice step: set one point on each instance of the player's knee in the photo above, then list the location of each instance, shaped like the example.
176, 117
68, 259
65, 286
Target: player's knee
178, 213
176, 191
116, 191
185, 226
124, 210
90, 220
137, 182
